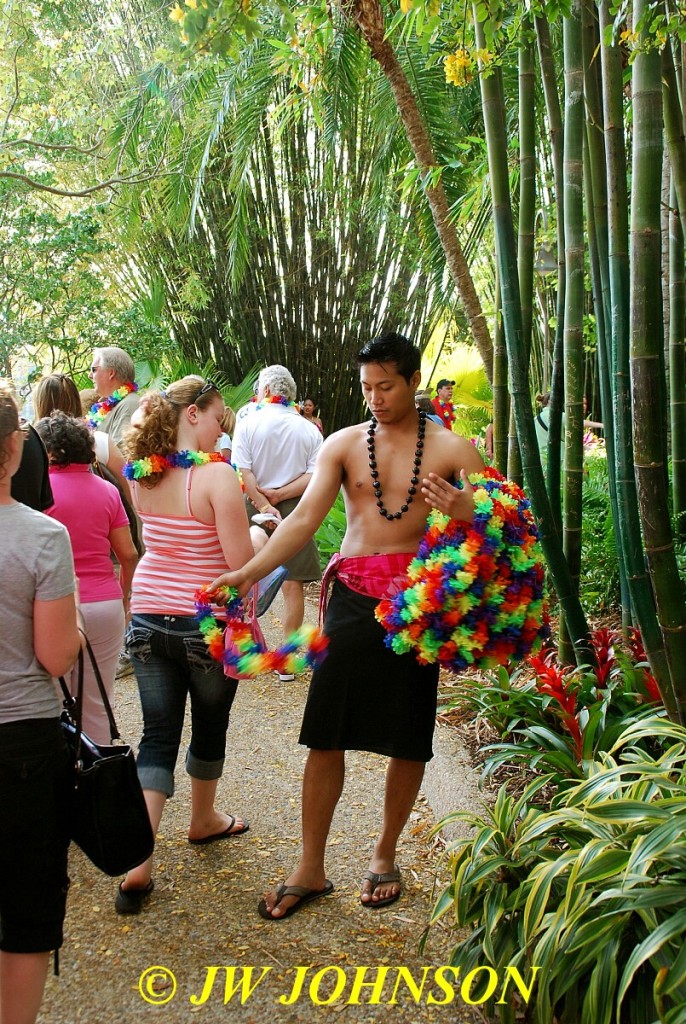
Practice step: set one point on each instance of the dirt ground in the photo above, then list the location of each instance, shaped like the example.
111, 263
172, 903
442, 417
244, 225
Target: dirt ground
199, 948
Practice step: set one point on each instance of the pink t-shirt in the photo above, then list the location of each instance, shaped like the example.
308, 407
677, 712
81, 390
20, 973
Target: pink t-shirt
90, 508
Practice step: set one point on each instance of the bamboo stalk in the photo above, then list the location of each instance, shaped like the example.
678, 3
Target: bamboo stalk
554, 115
597, 215
496, 139
642, 602
677, 368
574, 295
646, 344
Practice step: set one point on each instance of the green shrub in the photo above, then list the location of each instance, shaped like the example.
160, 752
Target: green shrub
591, 891
559, 718
329, 536
599, 581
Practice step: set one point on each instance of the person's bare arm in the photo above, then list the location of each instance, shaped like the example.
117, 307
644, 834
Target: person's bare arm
224, 491
56, 639
293, 489
257, 497
456, 502
127, 556
302, 524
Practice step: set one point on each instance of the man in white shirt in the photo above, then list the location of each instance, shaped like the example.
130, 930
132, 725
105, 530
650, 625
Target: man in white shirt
276, 449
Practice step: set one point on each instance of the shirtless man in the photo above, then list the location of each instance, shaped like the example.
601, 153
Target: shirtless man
363, 696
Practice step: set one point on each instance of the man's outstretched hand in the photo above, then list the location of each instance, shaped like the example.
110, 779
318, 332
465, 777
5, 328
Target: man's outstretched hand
238, 580
456, 502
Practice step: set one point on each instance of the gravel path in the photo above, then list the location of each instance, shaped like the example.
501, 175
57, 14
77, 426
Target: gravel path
203, 911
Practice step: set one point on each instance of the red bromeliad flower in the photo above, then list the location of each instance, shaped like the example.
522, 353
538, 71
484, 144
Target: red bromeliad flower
603, 640
651, 686
550, 679
636, 645
638, 654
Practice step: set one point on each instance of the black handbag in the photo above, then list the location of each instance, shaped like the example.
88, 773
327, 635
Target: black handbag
109, 818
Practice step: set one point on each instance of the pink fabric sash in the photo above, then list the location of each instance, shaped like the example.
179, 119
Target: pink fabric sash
371, 575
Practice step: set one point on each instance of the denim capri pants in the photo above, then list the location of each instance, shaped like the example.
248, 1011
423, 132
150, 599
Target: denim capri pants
171, 662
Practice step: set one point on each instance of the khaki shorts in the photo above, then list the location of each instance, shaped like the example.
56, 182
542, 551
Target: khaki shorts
305, 565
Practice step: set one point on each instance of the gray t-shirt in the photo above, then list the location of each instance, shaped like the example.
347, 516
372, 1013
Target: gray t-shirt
36, 563
118, 421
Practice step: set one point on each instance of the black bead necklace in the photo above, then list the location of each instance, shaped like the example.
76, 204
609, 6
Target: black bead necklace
414, 480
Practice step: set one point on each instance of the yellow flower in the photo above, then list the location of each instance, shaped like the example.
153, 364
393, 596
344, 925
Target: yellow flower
193, 4
176, 14
459, 67
406, 6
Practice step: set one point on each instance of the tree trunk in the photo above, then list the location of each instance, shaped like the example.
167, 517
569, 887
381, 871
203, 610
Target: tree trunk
369, 17
574, 295
554, 115
674, 129
596, 212
677, 368
646, 342
506, 251
501, 397
618, 257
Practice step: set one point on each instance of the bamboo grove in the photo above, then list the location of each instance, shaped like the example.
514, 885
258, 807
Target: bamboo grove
292, 169
614, 164
622, 103
594, 91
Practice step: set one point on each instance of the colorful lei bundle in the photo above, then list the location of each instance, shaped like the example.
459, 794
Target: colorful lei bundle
278, 400
244, 654
474, 593
137, 469
99, 410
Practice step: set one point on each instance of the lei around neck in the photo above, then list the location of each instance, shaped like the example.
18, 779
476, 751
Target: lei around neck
288, 403
138, 469
99, 410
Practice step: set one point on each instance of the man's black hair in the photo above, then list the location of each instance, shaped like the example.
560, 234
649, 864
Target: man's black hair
392, 348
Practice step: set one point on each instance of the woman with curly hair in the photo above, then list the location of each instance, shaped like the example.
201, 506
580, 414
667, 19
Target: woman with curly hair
194, 525
93, 513
39, 639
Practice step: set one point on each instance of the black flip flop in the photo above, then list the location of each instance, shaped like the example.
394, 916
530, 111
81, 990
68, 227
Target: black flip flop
130, 901
226, 834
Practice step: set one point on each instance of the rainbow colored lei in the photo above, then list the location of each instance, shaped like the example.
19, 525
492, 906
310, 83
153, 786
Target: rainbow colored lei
474, 594
278, 400
137, 469
244, 654
99, 410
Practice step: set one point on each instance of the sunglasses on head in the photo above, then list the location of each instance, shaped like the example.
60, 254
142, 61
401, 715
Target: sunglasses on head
207, 386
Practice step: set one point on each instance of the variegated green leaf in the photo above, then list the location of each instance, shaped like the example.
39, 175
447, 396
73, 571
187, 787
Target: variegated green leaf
598, 1002
673, 928
543, 875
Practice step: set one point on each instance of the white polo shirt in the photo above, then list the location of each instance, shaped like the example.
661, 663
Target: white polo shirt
277, 444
